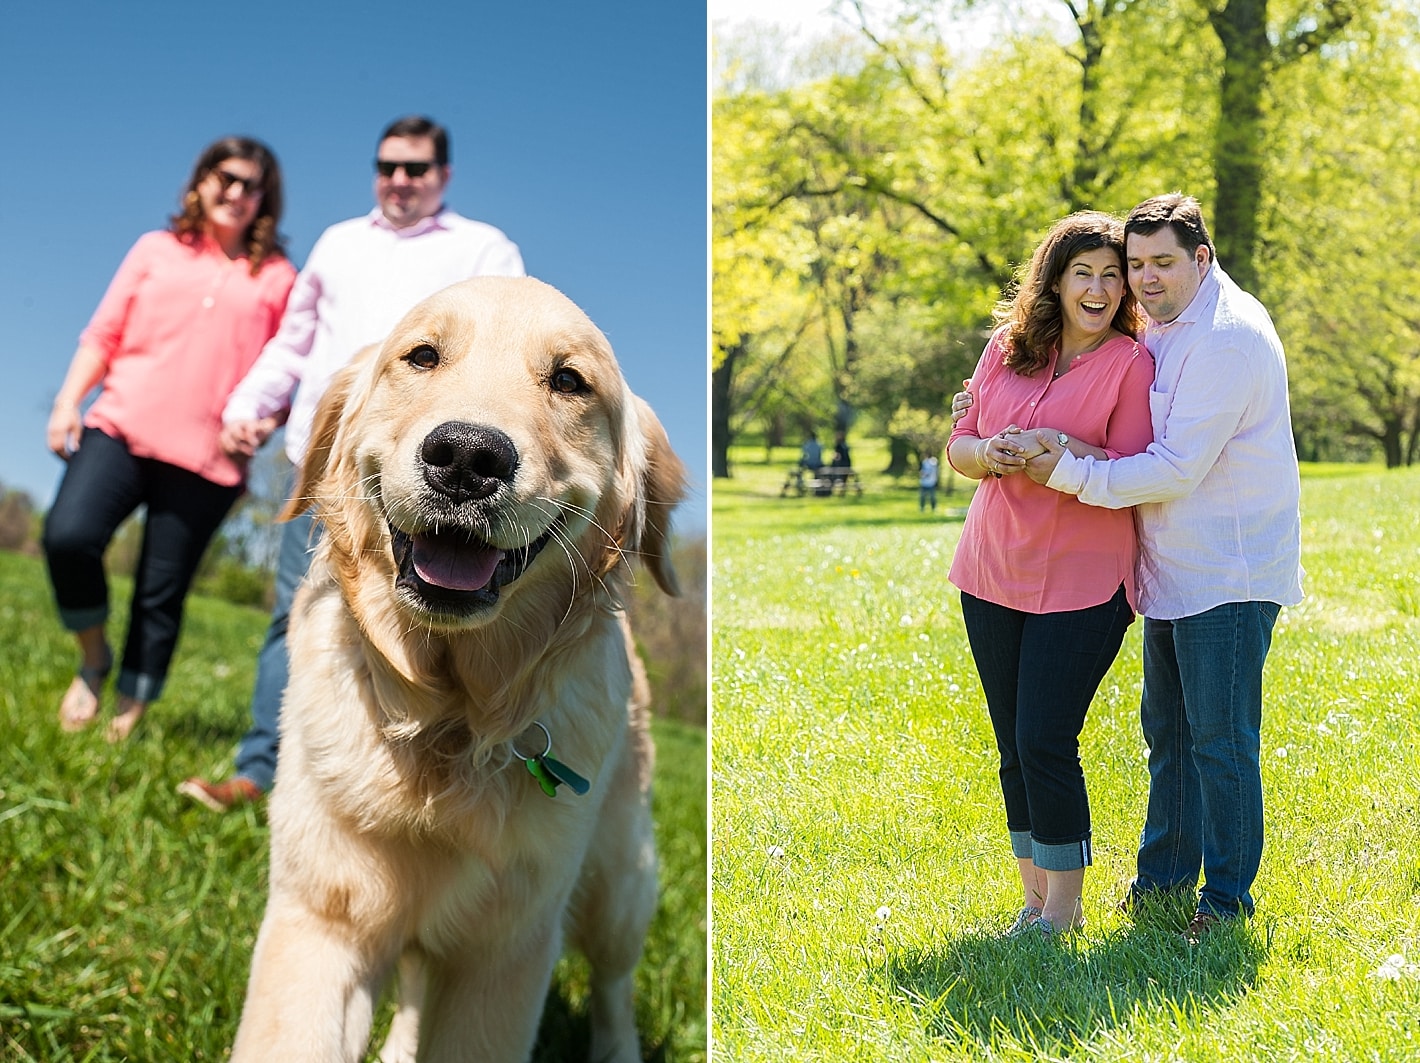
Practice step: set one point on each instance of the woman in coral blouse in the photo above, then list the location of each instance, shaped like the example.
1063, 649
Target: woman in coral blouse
182, 321
1047, 582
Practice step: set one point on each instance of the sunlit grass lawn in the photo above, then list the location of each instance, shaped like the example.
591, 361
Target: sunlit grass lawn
128, 913
860, 869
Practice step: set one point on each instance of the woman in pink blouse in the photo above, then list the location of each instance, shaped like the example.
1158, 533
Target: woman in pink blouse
182, 321
1047, 582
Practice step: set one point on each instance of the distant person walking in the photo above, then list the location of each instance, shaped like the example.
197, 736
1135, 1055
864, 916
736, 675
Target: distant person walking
182, 321
1047, 584
927, 483
362, 276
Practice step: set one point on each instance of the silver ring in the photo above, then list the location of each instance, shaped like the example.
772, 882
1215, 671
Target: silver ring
546, 734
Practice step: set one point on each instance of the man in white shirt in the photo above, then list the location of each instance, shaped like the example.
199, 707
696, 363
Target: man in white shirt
362, 276
1217, 497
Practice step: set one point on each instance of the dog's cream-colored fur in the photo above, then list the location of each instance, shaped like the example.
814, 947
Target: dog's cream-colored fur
405, 831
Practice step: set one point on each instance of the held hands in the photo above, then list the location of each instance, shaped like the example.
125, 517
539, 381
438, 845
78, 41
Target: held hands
1034, 452
240, 440
1041, 463
1004, 454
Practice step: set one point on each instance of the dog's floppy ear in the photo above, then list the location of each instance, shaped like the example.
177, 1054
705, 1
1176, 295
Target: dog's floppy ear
658, 483
323, 431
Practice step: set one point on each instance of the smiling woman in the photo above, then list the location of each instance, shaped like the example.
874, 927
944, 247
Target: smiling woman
1048, 583
184, 318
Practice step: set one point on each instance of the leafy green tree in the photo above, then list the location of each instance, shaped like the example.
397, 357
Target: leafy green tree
1254, 48
1341, 254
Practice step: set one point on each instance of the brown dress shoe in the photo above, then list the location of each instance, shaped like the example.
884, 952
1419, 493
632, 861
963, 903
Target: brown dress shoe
1201, 925
222, 796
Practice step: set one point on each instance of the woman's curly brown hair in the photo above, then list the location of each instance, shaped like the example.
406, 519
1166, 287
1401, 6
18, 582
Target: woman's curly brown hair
261, 238
1031, 312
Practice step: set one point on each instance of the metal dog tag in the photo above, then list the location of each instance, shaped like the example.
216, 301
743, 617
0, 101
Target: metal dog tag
550, 772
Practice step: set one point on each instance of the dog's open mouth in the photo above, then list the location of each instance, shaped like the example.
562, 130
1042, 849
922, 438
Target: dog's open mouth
454, 571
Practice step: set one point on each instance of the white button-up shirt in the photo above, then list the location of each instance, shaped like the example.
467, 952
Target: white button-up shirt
1217, 492
362, 276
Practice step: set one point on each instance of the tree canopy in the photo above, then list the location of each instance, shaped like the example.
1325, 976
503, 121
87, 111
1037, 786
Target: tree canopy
870, 213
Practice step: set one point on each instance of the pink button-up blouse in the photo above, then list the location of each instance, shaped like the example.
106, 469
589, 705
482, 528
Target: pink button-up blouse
1025, 546
177, 329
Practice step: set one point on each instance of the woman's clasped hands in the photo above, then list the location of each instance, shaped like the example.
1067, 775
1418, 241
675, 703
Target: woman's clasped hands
1010, 451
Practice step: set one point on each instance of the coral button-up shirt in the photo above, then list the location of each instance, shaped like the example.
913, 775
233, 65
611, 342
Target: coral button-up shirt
1024, 546
178, 328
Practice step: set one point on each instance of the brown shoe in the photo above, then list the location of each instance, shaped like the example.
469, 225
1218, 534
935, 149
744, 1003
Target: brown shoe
222, 796
1202, 924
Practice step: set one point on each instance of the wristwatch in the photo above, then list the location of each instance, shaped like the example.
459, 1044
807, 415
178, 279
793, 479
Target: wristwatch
1062, 439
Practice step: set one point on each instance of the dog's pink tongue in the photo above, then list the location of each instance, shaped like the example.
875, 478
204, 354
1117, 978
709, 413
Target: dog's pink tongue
450, 562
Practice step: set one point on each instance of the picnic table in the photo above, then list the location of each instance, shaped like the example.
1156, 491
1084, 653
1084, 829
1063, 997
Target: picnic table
829, 480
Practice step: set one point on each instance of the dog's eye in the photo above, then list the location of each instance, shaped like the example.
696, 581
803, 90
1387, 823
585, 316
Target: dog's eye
568, 382
423, 357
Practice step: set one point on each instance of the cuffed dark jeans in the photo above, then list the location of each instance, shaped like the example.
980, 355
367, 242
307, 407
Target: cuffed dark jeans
103, 484
1039, 672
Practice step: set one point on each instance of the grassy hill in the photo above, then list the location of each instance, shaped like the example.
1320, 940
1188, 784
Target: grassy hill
128, 913
861, 872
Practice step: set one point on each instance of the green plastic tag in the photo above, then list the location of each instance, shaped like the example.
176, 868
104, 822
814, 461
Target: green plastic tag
540, 773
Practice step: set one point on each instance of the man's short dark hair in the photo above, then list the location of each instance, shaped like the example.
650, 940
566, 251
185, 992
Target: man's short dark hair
1180, 213
416, 125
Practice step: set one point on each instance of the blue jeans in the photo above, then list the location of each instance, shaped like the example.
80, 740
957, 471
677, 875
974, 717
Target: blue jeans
104, 483
1039, 672
256, 756
1202, 718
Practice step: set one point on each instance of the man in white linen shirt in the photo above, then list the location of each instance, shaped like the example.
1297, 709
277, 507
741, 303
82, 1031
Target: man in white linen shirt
362, 276
1217, 507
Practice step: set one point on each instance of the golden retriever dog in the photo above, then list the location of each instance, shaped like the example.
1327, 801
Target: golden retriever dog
465, 762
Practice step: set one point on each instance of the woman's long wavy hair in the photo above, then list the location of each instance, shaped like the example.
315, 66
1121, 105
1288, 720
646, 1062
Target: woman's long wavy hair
261, 238
1031, 313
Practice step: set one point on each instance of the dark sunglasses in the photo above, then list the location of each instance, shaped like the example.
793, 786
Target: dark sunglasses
385, 168
249, 186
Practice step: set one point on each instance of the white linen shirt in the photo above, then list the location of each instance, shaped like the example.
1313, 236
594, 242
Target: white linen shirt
362, 276
1217, 492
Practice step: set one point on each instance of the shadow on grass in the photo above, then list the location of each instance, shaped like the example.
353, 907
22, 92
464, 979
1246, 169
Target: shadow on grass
804, 516
205, 731
1049, 994
565, 1032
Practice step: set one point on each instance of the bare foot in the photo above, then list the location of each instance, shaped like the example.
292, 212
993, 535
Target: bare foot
127, 717
81, 702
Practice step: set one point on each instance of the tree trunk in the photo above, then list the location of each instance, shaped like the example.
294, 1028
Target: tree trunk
898, 453
1390, 442
721, 381
1241, 26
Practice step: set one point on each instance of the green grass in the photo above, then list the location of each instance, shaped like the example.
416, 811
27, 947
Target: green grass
128, 914
860, 870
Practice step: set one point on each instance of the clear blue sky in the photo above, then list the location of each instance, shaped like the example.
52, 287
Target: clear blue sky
579, 129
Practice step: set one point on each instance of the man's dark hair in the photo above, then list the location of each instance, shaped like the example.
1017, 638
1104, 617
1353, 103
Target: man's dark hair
1180, 213
416, 125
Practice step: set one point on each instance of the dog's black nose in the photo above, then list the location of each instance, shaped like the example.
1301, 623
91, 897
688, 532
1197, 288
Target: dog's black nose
468, 461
